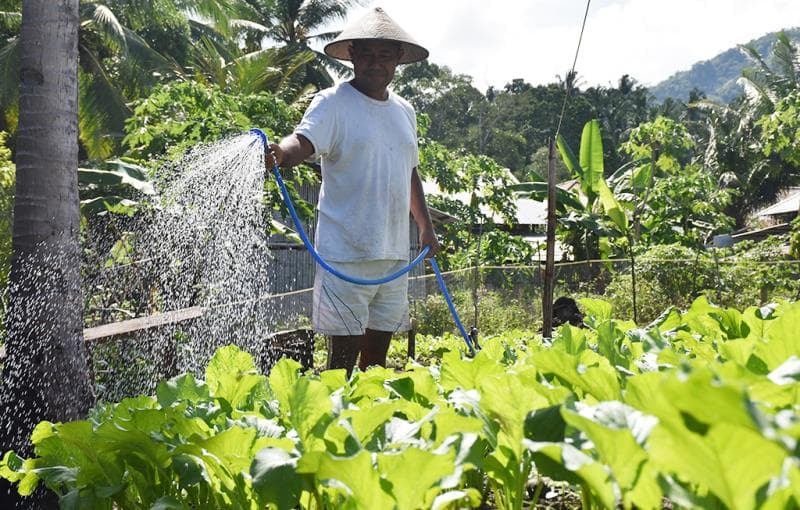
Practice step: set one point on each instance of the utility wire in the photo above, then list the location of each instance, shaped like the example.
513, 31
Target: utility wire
572, 71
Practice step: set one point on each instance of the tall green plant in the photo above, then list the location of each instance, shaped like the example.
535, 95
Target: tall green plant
586, 225
673, 199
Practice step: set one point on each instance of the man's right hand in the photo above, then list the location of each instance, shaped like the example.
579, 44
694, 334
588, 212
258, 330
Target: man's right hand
273, 156
293, 150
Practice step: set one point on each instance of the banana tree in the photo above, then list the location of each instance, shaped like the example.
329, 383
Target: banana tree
587, 221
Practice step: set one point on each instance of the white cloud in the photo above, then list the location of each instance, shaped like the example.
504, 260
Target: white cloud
535, 39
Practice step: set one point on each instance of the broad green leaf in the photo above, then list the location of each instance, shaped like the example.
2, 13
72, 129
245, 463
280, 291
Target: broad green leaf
370, 385
275, 479
183, 387
282, 377
364, 424
668, 320
545, 425
570, 161
507, 399
564, 462
232, 375
10, 467
611, 206
539, 190
641, 177
783, 340
732, 461
191, 470
596, 310
732, 323
578, 171
425, 386
334, 379
644, 392
570, 339
591, 154
411, 486
309, 410
357, 474
617, 432
465, 373
589, 373
738, 351
233, 447
448, 422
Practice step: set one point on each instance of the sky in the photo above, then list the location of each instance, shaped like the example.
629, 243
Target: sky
495, 42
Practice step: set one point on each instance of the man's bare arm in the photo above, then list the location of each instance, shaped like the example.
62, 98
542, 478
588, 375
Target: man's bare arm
419, 210
291, 151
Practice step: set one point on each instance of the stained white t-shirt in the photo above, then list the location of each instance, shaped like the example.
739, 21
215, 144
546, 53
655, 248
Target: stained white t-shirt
367, 149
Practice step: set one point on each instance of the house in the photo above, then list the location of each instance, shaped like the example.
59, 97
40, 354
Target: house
777, 216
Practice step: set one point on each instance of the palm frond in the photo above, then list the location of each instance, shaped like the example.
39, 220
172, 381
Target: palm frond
102, 110
145, 57
342, 70
244, 24
225, 46
218, 11
755, 89
209, 64
326, 36
101, 19
317, 13
785, 55
269, 69
751, 53
10, 21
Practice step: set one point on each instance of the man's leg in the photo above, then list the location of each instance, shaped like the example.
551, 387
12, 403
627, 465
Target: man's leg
343, 351
374, 346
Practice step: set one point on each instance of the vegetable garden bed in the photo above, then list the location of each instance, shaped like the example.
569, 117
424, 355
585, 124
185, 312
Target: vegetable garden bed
697, 409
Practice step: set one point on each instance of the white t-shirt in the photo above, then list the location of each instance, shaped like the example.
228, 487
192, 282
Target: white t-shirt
367, 149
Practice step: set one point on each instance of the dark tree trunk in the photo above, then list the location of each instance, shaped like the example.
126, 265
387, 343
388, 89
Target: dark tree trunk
46, 374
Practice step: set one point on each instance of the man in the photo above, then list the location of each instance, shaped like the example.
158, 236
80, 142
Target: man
365, 138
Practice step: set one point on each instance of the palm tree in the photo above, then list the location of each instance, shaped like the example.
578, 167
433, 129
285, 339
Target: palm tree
734, 153
125, 48
270, 69
103, 40
46, 374
773, 78
295, 24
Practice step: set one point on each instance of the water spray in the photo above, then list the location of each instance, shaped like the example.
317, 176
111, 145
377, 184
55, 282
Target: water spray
360, 281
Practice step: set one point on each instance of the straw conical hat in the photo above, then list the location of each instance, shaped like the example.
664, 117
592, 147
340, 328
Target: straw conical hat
376, 24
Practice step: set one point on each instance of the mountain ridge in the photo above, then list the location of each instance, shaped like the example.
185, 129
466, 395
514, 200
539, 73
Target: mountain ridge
717, 76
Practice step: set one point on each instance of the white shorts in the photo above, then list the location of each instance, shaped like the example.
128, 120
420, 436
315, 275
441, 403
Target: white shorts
342, 308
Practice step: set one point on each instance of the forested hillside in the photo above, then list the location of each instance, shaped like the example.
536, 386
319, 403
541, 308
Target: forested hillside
716, 77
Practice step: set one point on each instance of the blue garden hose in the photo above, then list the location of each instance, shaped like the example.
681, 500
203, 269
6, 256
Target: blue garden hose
360, 281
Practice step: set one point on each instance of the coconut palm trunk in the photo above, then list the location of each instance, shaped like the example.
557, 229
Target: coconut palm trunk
45, 374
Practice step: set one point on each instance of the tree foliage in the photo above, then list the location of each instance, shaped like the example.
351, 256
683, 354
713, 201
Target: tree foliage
177, 115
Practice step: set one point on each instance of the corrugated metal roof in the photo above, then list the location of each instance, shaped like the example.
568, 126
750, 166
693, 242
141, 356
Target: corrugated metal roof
788, 205
529, 212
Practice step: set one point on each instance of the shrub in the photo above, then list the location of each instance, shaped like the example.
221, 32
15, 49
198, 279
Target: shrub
497, 313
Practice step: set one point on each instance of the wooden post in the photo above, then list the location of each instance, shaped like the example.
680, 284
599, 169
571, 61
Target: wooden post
549, 268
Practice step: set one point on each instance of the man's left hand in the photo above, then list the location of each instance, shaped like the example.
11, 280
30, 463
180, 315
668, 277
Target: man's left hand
428, 238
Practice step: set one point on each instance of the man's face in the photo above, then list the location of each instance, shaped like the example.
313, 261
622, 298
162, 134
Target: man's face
374, 62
